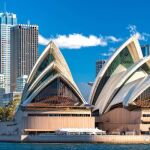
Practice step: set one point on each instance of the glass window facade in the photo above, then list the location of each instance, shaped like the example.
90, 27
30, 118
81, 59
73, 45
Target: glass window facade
143, 100
8, 18
145, 95
49, 58
50, 73
58, 93
7, 21
146, 68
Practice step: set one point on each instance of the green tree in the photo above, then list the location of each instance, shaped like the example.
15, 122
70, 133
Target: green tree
7, 113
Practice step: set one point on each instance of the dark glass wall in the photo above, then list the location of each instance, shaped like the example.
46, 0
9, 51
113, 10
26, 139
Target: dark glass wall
144, 96
59, 90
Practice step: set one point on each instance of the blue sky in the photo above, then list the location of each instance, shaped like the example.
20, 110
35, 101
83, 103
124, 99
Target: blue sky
85, 30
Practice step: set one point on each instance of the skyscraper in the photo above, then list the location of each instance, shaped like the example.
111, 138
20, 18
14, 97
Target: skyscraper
7, 20
145, 49
24, 44
99, 65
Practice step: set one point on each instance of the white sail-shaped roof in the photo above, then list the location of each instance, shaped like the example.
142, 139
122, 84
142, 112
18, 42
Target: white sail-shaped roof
124, 83
50, 66
138, 90
112, 72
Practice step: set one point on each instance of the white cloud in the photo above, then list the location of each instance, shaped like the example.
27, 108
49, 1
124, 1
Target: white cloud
42, 40
113, 39
106, 54
140, 35
77, 41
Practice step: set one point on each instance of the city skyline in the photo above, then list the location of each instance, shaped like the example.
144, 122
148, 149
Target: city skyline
82, 28
18, 51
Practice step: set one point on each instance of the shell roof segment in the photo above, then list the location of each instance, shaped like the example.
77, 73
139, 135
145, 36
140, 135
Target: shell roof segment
51, 64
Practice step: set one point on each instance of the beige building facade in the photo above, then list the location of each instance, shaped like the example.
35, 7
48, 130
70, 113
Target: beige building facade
122, 120
51, 119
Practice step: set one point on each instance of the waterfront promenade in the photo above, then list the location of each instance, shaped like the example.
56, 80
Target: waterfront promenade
113, 139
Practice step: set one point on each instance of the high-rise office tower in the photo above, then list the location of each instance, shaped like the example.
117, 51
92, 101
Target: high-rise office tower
7, 20
99, 65
145, 49
24, 44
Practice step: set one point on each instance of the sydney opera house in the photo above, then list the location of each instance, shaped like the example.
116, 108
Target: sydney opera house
51, 100
119, 99
121, 92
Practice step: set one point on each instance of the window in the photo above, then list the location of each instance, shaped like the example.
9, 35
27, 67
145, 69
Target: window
49, 58
146, 115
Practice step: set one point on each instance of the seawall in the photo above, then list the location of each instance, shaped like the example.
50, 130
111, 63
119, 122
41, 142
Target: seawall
114, 139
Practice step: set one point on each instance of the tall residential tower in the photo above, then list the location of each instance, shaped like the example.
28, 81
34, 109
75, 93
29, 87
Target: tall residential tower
7, 20
24, 44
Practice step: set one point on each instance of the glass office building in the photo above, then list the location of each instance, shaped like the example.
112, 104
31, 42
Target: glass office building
7, 20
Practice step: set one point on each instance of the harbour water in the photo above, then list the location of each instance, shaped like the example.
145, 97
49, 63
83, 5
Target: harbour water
39, 146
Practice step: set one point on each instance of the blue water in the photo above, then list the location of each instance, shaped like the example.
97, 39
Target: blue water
16, 146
